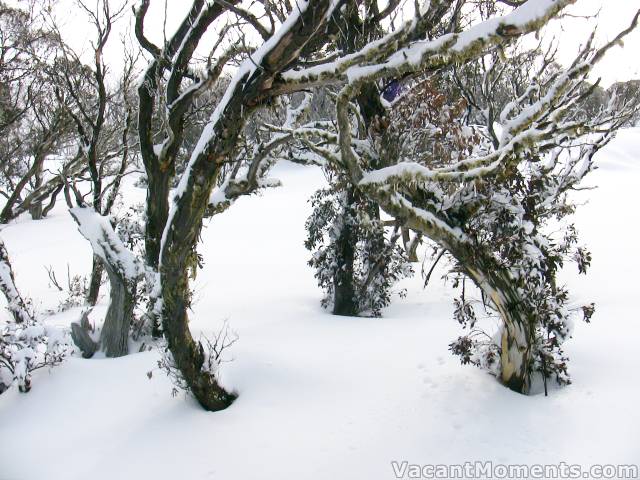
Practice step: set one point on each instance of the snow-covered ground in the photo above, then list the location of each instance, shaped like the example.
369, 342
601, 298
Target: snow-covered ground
323, 397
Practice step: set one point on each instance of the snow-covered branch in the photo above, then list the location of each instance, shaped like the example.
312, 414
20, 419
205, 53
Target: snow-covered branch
106, 243
19, 308
26, 343
399, 53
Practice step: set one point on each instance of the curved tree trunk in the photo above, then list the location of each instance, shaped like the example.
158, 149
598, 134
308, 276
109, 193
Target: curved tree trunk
15, 302
114, 337
515, 359
188, 354
518, 329
80, 334
516, 337
7, 214
218, 141
52, 200
124, 272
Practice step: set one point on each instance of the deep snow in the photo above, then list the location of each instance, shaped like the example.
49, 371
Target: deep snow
323, 397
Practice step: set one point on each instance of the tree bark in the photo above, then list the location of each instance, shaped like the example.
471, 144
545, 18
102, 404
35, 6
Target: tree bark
344, 292
188, 354
518, 329
158, 188
95, 281
35, 210
124, 272
114, 337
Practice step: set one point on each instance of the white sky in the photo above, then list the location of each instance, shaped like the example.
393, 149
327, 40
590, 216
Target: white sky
621, 64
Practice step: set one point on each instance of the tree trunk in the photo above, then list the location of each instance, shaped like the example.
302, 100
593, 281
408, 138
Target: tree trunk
178, 256
518, 329
7, 214
35, 210
350, 39
158, 188
81, 337
95, 281
16, 304
188, 354
52, 201
114, 337
496, 282
180, 238
157, 212
344, 294
124, 272
515, 359
410, 245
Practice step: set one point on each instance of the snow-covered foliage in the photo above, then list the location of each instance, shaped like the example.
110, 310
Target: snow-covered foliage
107, 244
482, 170
20, 308
376, 261
26, 344
511, 214
511, 218
129, 227
521, 212
492, 195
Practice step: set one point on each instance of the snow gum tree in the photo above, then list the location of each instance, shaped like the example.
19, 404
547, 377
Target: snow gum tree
171, 83
485, 193
488, 204
356, 261
32, 126
102, 116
